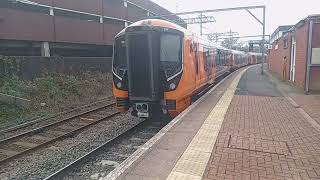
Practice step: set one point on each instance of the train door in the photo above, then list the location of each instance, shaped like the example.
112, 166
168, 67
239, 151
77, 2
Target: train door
293, 59
198, 64
207, 61
202, 63
195, 59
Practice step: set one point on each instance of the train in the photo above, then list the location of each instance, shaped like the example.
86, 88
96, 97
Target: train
158, 67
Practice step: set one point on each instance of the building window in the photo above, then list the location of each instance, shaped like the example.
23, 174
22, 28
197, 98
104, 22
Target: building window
25, 7
285, 43
76, 15
113, 21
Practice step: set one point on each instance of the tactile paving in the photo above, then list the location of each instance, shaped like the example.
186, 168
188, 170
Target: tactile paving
190, 167
193, 162
195, 156
182, 176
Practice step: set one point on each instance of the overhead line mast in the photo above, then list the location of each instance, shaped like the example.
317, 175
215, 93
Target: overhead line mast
246, 8
201, 19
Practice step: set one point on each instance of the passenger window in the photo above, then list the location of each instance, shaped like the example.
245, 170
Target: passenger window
207, 59
196, 56
191, 47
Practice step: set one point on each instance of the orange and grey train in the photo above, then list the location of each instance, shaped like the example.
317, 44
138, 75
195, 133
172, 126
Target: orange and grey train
159, 66
255, 58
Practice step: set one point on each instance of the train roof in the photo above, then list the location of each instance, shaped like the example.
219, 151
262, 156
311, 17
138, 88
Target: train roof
256, 54
167, 24
237, 52
159, 23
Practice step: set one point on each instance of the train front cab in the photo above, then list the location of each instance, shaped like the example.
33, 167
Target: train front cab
252, 58
151, 77
158, 67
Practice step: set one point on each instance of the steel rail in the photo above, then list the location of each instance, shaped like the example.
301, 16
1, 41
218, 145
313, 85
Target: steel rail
61, 172
67, 134
54, 123
66, 169
41, 119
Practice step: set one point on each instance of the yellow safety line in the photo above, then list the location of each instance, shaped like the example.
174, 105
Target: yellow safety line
193, 162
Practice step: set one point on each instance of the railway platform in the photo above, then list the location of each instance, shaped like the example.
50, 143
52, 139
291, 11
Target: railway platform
250, 126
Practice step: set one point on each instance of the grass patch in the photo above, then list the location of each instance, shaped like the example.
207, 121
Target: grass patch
51, 93
15, 87
11, 115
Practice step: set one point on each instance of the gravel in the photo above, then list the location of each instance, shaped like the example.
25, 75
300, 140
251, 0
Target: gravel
103, 162
45, 161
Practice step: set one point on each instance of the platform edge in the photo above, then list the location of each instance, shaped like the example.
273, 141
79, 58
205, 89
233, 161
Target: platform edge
142, 151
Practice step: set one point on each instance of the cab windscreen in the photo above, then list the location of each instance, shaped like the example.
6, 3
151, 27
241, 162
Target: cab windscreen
170, 54
119, 60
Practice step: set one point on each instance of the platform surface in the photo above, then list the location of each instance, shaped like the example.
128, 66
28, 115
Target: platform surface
247, 128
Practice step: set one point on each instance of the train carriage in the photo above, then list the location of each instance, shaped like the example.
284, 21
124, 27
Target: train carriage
158, 67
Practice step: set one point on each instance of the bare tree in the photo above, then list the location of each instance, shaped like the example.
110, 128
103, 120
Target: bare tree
230, 43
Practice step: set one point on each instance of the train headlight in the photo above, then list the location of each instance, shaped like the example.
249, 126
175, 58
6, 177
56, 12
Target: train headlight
172, 86
139, 107
119, 85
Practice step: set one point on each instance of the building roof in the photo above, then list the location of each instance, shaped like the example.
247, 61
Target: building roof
281, 29
315, 17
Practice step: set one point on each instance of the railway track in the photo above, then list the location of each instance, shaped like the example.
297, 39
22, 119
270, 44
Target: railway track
11, 131
26, 142
104, 158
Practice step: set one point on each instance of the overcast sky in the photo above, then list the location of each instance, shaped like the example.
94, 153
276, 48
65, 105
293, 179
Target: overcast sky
279, 12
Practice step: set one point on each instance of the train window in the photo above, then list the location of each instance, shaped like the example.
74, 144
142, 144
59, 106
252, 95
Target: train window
207, 59
216, 58
191, 47
219, 57
119, 59
170, 48
171, 54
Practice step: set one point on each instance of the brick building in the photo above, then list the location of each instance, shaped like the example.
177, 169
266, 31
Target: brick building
295, 56
68, 27
279, 32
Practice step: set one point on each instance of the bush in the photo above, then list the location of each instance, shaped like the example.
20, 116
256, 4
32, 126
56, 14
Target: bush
57, 87
13, 86
8, 66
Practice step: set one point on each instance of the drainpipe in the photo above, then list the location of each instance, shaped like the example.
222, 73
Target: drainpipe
309, 56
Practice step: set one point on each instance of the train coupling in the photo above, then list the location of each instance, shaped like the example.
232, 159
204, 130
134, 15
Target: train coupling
142, 110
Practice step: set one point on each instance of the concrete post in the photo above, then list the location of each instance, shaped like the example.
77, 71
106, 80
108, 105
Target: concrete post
263, 40
201, 24
309, 58
45, 49
125, 3
51, 11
